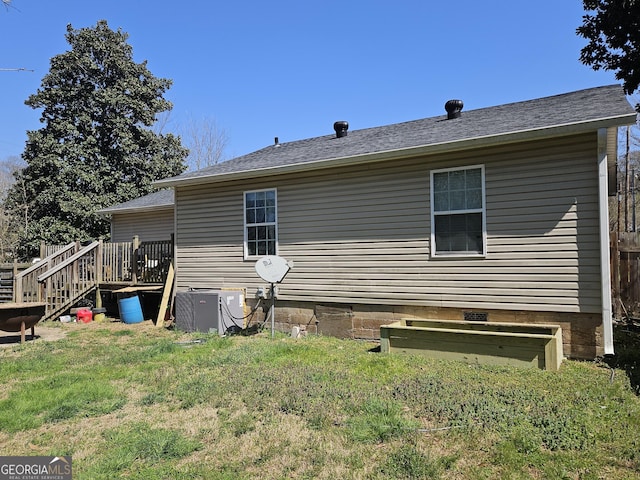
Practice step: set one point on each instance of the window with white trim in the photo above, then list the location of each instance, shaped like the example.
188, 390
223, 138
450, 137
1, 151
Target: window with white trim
260, 223
458, 212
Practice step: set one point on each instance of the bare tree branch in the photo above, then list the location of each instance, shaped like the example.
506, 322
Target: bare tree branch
206, 142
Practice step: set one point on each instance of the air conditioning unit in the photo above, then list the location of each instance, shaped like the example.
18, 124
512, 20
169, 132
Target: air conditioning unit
210, 311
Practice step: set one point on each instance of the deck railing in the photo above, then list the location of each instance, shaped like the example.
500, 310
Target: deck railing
116, 262
72, 271
26, 285
67, 282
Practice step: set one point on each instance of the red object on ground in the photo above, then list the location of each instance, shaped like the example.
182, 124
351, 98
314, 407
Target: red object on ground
84, 315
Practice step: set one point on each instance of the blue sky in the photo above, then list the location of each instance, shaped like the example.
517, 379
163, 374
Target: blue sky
289, 69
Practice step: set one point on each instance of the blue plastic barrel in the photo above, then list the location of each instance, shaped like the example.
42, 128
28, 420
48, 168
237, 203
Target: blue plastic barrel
130, 309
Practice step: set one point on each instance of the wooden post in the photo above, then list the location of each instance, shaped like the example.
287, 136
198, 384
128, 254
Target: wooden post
626, 183
134, 259
99, 270
99, 263
17, 285
615, 272
166, 294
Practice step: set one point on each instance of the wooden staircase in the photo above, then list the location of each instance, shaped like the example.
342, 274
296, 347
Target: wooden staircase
62, 278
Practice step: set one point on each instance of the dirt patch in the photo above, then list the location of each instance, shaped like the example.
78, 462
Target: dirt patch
42, 333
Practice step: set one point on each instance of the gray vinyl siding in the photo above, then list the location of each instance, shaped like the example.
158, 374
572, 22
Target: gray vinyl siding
360, 235
151, 225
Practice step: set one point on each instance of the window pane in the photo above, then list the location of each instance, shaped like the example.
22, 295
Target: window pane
456, 200
271, 214
458, 223
441, 201
251, 233
441, 182
459, 233
262, 248
260, 215
251, 248
251, 216
442, 243
474, 178
270, 198
260, 199
474, 222
250, 199
457, 180
443, 223
458, 242
474, 198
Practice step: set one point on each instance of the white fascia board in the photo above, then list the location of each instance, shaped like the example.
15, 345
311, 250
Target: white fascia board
117, 211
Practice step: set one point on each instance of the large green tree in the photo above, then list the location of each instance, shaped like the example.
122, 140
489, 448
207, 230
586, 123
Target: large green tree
96, 147
612, 28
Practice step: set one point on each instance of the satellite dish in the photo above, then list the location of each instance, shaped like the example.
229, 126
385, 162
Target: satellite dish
272, 268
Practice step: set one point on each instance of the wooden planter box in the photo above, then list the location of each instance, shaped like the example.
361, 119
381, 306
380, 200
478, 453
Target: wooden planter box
517, 344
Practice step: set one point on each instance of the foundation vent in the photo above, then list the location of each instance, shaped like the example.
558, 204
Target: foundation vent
475, 316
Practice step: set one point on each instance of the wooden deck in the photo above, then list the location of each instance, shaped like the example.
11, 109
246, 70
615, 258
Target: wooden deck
67, 273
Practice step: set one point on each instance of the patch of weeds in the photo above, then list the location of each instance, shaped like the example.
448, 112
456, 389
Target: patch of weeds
521, 449
379, 420
538, 420
59, 397
561, 430
195, 390
242, 424
138, 448
526, 439
152, 399
40, 360
159, 348
122, 333
319, 420
407, 462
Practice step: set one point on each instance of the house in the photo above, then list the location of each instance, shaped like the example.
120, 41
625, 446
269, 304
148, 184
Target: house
149, 217
496, 214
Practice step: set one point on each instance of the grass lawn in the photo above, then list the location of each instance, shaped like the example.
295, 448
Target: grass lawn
136, 402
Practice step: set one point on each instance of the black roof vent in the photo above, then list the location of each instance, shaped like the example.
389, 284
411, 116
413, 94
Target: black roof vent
341, 128
453, 108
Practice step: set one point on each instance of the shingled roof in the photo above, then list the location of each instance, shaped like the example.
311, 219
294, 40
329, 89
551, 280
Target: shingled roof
575, 112
161, 199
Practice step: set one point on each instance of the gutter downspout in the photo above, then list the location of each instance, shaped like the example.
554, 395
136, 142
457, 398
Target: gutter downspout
605, 270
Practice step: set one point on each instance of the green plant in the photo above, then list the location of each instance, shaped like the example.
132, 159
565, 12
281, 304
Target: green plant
61, 396
407, 462
378, 421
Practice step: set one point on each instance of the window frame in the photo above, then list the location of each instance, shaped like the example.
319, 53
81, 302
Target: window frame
483, 211
247, 225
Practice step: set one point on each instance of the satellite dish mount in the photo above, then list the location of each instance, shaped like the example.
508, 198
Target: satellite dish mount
273, 269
